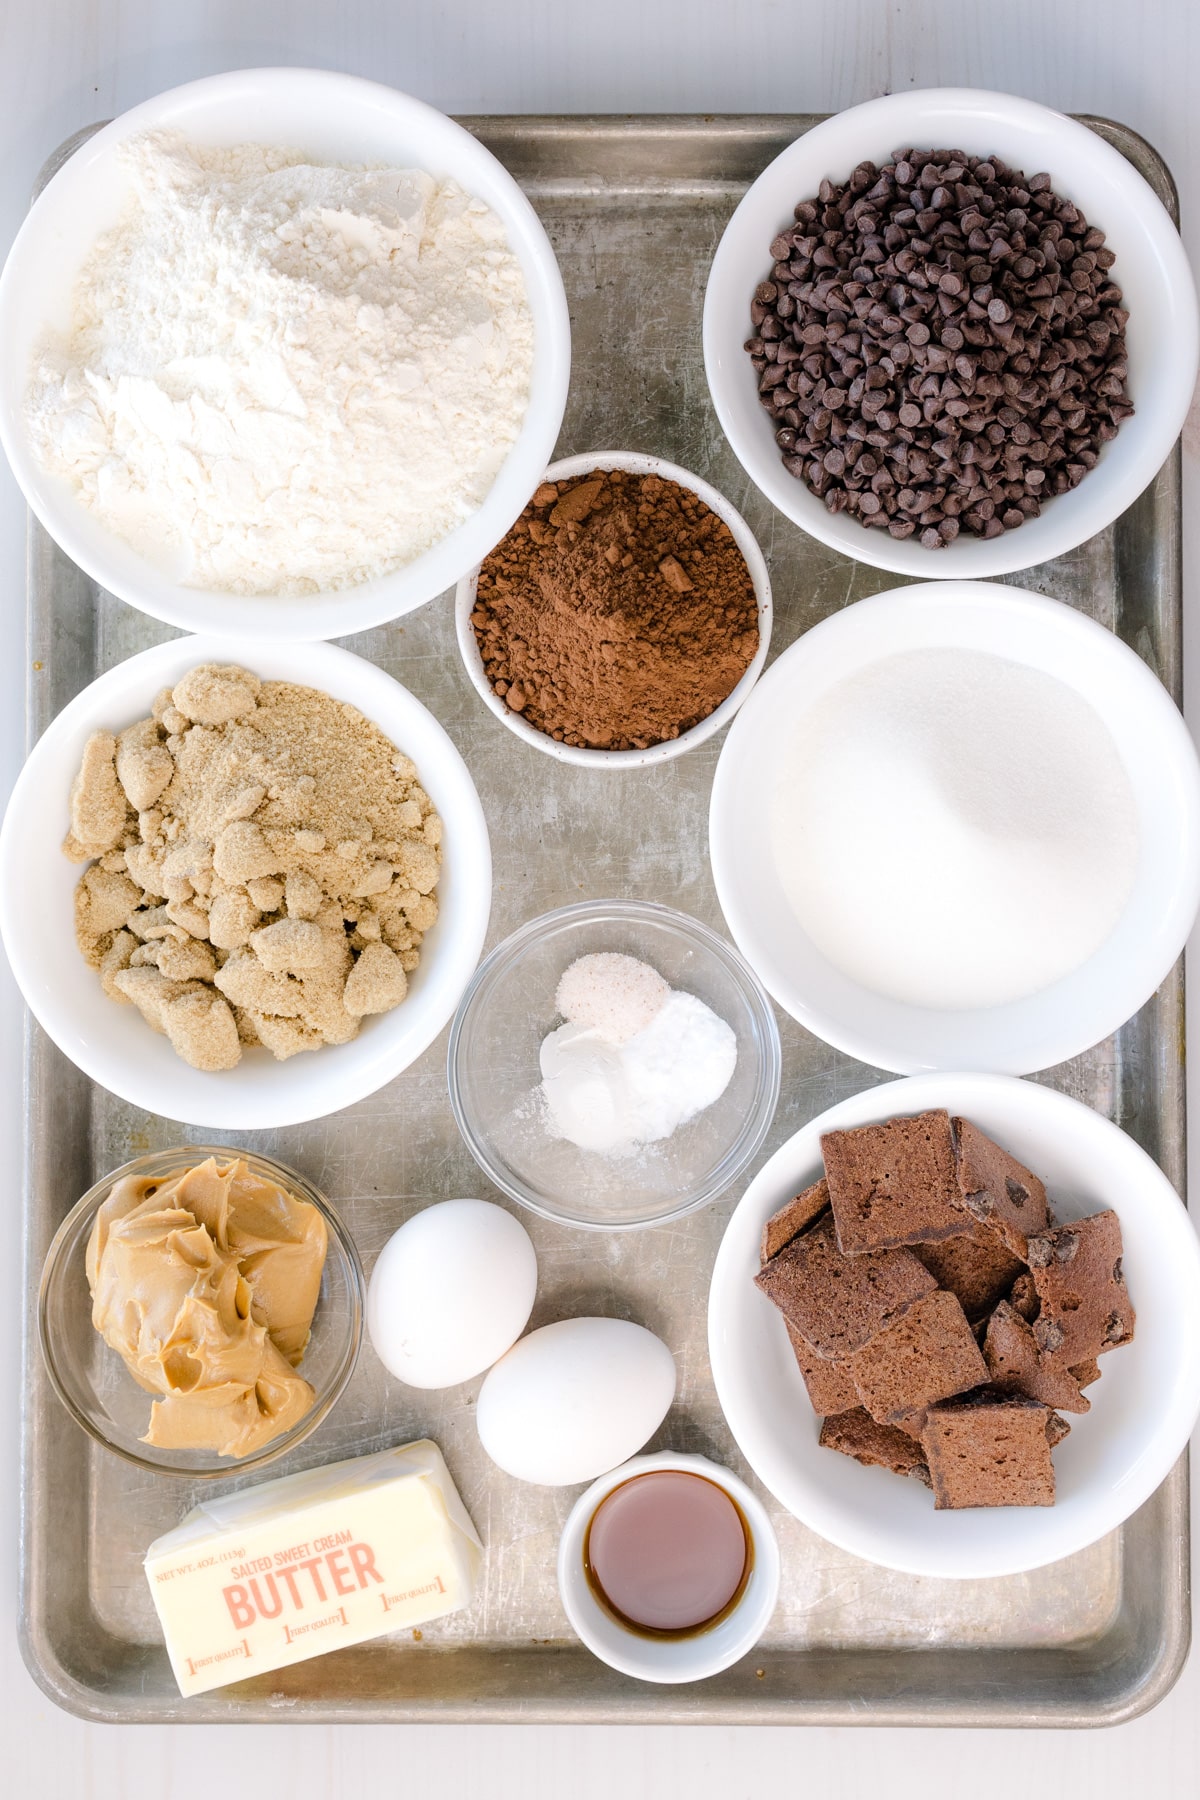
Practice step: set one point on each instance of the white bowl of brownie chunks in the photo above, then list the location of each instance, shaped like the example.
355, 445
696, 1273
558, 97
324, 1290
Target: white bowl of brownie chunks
985, 1300
941, 321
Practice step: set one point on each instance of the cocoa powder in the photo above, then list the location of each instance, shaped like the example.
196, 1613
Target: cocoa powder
617, 613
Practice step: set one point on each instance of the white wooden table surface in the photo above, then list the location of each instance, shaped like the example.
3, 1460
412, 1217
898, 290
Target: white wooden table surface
67, 62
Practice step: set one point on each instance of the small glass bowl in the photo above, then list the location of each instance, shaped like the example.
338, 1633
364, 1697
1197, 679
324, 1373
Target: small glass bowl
91, 1379
494, 1076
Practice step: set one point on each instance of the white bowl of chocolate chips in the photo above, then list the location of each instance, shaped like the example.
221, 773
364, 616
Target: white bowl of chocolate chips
939, 353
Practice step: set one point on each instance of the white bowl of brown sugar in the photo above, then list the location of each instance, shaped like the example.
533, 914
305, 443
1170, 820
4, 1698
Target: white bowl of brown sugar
913, 351
625, 617
271, 849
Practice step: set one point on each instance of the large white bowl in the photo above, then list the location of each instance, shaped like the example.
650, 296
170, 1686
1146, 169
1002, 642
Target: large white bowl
1151, 739
1143, 1407
343, 120
1152, 270
113, 1044
631, 462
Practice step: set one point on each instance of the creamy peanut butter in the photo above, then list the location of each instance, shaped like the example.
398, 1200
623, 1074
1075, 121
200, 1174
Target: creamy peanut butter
206, 1283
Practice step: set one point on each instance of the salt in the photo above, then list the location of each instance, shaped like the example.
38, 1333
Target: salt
635, 1060
954, 830
615, 995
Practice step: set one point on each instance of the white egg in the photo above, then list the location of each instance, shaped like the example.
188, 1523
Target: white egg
452, 1291
574, 1399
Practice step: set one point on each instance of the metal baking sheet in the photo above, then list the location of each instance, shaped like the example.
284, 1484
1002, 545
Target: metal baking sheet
635, 207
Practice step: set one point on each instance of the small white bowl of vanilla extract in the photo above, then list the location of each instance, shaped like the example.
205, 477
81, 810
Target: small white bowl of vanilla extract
668, 1568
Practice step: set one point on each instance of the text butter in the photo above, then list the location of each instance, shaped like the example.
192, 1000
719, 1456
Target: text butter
317, 1561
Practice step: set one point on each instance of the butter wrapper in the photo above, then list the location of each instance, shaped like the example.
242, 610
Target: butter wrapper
314, 1562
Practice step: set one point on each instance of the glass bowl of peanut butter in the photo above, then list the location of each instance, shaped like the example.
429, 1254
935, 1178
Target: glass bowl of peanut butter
201, 1311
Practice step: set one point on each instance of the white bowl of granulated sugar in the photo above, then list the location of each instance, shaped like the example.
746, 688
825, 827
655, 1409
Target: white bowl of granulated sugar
958, 826
113, 1043
282, 354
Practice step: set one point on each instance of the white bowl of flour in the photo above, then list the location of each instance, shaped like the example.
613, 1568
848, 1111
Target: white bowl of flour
284, 354
958, 826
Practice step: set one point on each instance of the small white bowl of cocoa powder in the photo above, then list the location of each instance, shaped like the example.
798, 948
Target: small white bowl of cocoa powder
625, 617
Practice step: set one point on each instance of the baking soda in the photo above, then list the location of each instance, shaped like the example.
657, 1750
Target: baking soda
954, 830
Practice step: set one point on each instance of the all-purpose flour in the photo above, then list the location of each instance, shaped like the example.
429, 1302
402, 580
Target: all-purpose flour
284, 378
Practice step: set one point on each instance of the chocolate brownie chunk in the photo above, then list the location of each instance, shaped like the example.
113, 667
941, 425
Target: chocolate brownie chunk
1017, 1366
894, 1183
857, 1434
792, 1219
837, 1303
974, 1265
1085, 1307
989, 1449
1087, 1372
926, 1355
997, 1190
1024, 1297
1056, 1429
829, 1386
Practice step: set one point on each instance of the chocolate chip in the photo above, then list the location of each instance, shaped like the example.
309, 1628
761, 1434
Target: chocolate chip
953, 317
1048, 1336
1040, 1253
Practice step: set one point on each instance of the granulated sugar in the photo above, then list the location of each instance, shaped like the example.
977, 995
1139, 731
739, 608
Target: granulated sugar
954, 830
265, 866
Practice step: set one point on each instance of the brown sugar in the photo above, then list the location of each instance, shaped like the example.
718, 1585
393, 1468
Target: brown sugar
266, 866
617, 613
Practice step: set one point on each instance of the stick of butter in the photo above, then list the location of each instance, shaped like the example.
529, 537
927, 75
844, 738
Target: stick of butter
319, 1560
